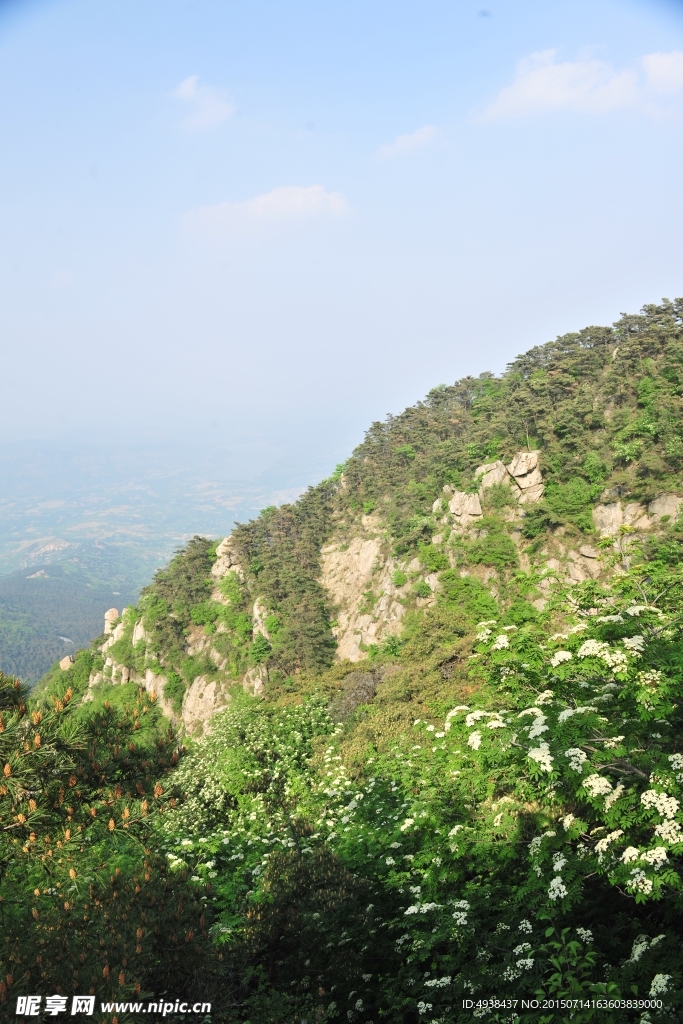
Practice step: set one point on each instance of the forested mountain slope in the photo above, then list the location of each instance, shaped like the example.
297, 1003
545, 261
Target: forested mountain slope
431, 719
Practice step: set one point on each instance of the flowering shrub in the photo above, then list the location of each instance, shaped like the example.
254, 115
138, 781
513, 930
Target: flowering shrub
519, 845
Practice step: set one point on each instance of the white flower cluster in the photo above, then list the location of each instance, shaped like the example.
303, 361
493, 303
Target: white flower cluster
669, 831
652, 678
640, 882
558, 889
665, 805
577, 758
614, 796
616, 660
558, 861
597, 785
655, 857
634, 645
592, 649
569, 712
542, 756
676, 761
500, 643
559, 657
525, 926
612, 742
602, 844
438, 982
640, 945
537, 727
660, 984
496, 720
585, 934
474, 740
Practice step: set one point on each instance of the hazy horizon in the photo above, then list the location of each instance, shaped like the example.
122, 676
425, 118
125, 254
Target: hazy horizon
226, 214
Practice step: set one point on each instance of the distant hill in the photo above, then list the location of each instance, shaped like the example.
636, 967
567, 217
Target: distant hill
48, 611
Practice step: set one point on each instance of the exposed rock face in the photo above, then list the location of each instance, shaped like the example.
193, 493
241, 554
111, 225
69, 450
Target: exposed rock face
526, 474
665, 505
465, 507
523, 475
110, 617
608, 519
202, 701
492, 473
138, 633
255, 680
260, 613
226, 559
66, 662
347, 573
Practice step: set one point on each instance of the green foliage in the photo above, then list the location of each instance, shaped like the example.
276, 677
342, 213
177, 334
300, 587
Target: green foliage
272, 624
500, 811
174, 690
593, 468
530, 840
433, 557
285, 544
259, 650
86, 903
167, 604
572, 502
399, 578
204, 613
496, 550
192, 667
468, 594
231, 588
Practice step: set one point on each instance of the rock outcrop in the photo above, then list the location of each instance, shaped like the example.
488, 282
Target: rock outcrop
110, 618
349, 570
523, 476
610, 518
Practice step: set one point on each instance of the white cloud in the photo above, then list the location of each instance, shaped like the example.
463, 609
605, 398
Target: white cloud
664, 71
404, 143
209, 107
285, 204
542, 83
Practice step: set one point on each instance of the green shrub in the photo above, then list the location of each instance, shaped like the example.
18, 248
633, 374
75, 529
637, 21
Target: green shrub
204, 613
433, 557
422, 589
192, 667
496, 550
259, 650
399, 578
520, 611
468, 594
273, 625
572, 502
231, 588
174, 690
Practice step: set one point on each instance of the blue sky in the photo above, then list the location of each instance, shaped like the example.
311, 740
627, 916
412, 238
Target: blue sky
297, 217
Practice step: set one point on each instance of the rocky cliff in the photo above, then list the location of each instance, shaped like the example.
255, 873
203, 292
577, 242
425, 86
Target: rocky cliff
369, 588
